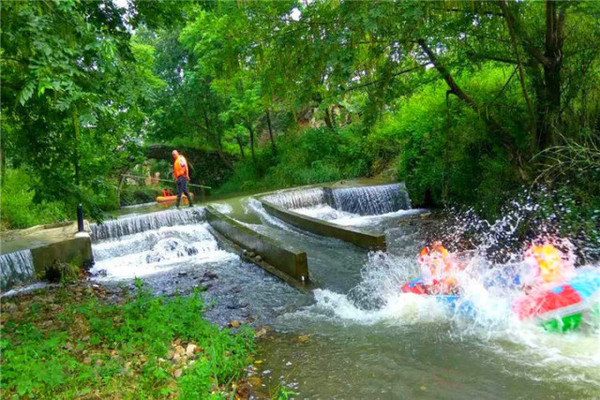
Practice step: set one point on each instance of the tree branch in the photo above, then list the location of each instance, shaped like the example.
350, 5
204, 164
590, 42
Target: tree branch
510, 23
362, 85
534, 52
477, 56
455, 89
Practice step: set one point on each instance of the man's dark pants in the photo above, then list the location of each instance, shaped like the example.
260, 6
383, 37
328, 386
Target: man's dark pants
182, 188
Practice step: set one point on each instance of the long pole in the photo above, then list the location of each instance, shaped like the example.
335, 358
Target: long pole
163, 180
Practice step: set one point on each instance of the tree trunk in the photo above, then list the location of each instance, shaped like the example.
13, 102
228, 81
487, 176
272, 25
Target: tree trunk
2, 162
217, 141
271, 131
239, 142
332, 113
454, 88
76, 134
550, 103
119, 188
252, 142
511, 29
328, 121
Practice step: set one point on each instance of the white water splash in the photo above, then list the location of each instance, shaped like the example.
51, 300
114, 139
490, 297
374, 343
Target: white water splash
223, 208
343, 218
483, 315
156, 251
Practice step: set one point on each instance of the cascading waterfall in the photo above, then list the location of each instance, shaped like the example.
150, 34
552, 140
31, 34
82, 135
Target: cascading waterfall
16, 268
365, 200
155, 249
301, 198
371, 200
136, 224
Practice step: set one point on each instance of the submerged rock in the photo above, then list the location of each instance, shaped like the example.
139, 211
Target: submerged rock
210, 275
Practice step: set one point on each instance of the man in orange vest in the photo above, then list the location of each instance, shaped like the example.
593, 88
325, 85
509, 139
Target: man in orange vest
181, 173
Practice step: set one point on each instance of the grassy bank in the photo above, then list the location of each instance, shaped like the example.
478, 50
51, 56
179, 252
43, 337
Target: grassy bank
79, 343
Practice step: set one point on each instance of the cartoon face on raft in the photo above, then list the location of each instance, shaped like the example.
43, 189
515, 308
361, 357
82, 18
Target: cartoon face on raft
435, 261
549, 263
438, 267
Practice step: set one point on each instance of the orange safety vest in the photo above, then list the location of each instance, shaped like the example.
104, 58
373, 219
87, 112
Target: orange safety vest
180, 167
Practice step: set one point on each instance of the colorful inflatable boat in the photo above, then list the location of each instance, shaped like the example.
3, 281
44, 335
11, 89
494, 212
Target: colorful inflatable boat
451, 300
563, 307
171, 199
560, 308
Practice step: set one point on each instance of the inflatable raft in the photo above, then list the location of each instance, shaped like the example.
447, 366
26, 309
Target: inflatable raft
172, 199
452, 301
560, 308
563, 307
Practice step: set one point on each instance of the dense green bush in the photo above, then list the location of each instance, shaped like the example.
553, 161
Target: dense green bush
18, 208
23, 204
138, 194
309, 157
445, 152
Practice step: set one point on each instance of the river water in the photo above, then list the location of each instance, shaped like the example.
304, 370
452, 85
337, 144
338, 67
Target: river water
354, 336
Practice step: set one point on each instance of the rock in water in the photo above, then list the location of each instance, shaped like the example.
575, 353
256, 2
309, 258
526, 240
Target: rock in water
210, 275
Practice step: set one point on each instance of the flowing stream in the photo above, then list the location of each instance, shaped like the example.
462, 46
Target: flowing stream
355, 336
369, 340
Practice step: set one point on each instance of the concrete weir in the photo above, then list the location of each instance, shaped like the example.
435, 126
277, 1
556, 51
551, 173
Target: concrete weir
275, 257
361, 239
29, 252
360, 200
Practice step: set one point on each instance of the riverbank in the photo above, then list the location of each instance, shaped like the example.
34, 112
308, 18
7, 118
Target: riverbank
88, 341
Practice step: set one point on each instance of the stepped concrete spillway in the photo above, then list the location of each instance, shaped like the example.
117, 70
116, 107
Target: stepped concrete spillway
361, 200
146, 222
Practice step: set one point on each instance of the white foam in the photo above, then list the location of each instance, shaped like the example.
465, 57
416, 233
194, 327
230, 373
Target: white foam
401, 309
489, 322
223, 208
24, 289
156, 251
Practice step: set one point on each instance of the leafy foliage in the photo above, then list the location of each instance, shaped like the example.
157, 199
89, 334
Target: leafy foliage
17, 202
465, 97
73, 94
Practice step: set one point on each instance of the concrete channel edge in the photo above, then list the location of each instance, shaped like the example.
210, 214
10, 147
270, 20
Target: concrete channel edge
288, 264
361, 239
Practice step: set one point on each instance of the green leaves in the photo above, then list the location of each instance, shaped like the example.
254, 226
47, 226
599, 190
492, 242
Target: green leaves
26, 93
58, 56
